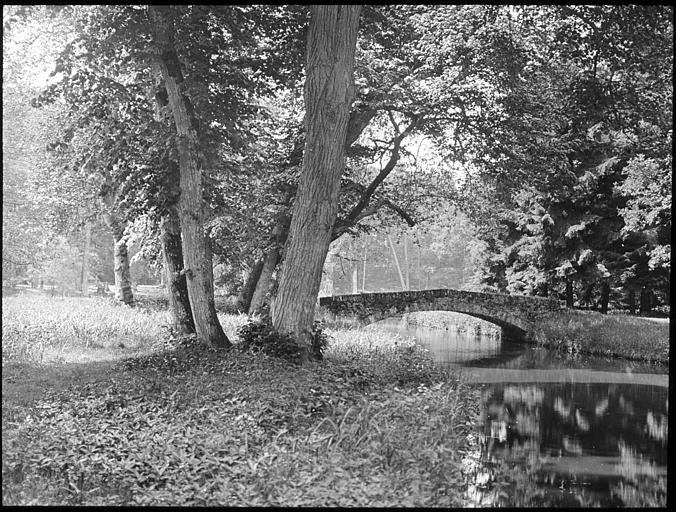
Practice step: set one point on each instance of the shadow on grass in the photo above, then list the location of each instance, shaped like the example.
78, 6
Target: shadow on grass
25, 383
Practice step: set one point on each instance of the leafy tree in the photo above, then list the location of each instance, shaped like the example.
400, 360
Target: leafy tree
566, 227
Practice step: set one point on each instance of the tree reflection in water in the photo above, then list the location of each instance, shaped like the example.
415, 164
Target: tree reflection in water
570, 445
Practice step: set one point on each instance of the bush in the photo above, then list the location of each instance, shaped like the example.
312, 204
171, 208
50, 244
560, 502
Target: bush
260, 336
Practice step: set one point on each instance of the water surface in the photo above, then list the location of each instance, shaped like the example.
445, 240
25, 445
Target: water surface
556, 430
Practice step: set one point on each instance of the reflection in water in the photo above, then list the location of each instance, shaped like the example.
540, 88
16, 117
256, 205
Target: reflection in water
571, 444
555, 431
447, 346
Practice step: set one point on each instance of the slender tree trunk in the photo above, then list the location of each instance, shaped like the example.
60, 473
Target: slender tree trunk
120, 260
396, 263
632, 301
569, 294
363, 269
249, 286
605, 297
646, 301
355, 280
418, 269
264, 284
170, 231
85, 259
329, 92
196, 250
407, 265
177, 286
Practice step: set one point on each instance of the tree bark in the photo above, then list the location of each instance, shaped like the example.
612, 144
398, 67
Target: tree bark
170, 232
249, 286
264, 284
120, 260
329, 92
196, 250
272, 258
177, 286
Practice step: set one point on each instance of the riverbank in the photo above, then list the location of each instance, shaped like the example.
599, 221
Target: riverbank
102, 406
590, 332
448, 320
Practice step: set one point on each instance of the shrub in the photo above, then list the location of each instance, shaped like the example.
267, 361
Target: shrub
260, 336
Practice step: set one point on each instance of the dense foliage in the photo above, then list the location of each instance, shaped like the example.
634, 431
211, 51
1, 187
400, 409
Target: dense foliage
549, 126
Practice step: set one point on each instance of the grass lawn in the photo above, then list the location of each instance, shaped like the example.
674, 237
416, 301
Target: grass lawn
102, 406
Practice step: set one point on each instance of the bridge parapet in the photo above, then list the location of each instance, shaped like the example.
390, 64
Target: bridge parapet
532, 303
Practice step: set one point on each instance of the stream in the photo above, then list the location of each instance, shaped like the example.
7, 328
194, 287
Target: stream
555, 430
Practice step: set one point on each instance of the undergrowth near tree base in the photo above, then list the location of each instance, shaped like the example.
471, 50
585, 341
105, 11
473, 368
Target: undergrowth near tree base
375, 423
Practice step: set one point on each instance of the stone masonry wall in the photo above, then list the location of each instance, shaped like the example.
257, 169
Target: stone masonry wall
512, 312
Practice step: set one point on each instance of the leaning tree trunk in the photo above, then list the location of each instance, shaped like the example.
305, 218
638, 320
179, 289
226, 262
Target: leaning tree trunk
120, 260
177, 286
264, 284
196, 250
246, 293
329, 92
396, 263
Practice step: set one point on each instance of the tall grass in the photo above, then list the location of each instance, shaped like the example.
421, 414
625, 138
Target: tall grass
617, 335
41, 329
382, 355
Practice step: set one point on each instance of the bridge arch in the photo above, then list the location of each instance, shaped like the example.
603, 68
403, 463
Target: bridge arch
516, 315
511, 328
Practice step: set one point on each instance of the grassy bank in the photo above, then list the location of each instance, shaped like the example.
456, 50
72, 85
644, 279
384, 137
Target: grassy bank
102, 407
448, 320
631, 337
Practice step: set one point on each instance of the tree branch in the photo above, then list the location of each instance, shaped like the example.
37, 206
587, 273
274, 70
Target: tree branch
394, 158
342, 226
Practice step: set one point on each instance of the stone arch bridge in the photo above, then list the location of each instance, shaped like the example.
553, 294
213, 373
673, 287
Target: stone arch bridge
516, 314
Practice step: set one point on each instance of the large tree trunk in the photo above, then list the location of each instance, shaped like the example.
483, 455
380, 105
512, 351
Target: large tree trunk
329, 92
196, 250
177, 286
120, 260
